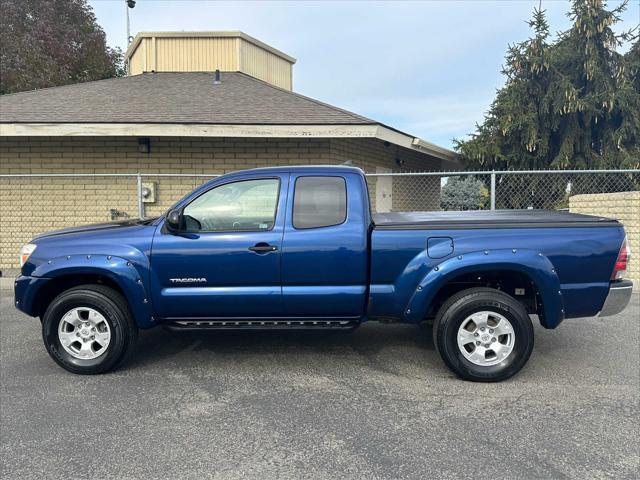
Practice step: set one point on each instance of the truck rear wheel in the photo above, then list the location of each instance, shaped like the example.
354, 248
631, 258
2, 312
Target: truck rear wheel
89, 329
483, 335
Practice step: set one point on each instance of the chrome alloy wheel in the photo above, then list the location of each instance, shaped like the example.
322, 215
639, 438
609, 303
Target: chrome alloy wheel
485, 338
84, 333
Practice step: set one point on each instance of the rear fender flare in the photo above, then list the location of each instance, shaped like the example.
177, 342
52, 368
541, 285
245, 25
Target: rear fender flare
529, 262
120, 270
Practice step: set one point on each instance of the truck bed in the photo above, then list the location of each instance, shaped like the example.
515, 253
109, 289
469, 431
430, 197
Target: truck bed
487, 219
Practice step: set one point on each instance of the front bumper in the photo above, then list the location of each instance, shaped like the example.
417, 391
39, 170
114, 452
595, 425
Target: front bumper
617, 299
26, 291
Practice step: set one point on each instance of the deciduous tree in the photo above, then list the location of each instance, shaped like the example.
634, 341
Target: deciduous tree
45, 43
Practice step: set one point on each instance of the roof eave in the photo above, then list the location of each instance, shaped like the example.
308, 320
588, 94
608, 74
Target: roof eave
415, 143
373, 130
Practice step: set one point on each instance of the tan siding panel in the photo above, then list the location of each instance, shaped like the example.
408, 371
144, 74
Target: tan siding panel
206, 54
196, 54
147, 53
137, 60
262, 64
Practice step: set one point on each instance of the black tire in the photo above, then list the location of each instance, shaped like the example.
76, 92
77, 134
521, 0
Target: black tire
460, 306
113, 307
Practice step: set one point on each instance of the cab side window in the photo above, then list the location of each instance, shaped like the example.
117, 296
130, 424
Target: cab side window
319, 202
246, 205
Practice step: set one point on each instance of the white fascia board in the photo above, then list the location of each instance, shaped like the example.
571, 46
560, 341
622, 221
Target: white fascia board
414, 143
185, 130
240, 131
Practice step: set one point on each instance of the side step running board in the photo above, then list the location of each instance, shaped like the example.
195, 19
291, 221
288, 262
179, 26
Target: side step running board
263, 324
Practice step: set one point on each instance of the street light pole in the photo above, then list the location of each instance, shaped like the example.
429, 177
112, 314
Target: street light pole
127, 5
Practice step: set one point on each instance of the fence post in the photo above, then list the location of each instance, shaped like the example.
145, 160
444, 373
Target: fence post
140, 203
493, 190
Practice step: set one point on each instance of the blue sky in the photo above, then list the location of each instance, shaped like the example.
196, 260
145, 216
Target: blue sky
429, 68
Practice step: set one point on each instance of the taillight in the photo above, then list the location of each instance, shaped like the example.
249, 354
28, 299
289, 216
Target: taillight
624, 256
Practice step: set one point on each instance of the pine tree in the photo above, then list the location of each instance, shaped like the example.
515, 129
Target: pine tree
511, 134
597, 92
572, 104
464, 193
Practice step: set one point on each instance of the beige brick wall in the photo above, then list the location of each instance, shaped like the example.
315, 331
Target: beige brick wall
29, 206
625, 207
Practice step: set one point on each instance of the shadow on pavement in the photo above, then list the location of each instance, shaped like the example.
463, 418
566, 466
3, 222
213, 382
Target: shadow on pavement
159, 344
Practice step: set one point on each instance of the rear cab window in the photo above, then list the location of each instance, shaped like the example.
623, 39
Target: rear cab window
319, 202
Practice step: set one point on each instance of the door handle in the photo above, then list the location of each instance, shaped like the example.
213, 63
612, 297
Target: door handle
263, 248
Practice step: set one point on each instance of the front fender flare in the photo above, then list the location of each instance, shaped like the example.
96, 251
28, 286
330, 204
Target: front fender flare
529, 262
122, 271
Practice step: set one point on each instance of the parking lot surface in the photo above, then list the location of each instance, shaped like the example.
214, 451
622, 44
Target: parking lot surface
376, 403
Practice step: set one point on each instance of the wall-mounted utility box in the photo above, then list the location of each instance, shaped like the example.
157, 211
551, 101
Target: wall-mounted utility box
148, 192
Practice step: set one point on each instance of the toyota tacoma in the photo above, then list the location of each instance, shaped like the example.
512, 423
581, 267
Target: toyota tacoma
297, 248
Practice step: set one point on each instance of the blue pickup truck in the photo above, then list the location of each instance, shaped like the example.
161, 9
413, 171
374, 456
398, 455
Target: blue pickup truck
297, 248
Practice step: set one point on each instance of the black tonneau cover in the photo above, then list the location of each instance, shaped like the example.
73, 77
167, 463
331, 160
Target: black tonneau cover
487, 219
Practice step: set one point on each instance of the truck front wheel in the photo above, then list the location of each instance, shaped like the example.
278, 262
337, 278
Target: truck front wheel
483, 335
89, 329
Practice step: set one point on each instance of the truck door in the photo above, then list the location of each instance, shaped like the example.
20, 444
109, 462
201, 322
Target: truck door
324, 250
227, 261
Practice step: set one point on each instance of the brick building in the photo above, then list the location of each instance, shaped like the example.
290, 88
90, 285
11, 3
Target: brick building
175, 115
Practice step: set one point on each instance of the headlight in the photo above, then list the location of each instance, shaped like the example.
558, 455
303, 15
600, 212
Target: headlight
25, 253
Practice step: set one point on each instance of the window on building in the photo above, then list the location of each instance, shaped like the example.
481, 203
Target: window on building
319, 202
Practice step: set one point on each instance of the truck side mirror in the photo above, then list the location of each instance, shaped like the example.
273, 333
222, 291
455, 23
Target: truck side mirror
174, 219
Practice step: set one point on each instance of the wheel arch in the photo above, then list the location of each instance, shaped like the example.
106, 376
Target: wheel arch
115, 272
527, 265
507, 281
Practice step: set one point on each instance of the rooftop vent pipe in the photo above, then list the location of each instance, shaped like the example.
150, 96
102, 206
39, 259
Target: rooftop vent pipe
216, 80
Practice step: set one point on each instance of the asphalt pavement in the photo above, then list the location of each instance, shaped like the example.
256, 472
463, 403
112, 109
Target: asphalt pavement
376, 403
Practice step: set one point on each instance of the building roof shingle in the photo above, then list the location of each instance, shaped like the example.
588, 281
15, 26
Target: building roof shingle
189, 98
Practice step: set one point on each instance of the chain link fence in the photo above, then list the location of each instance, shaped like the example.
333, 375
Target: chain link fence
35, 203
533, 189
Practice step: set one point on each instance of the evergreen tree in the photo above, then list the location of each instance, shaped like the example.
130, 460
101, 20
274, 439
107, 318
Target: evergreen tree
572, 104
514, 131
464, 193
